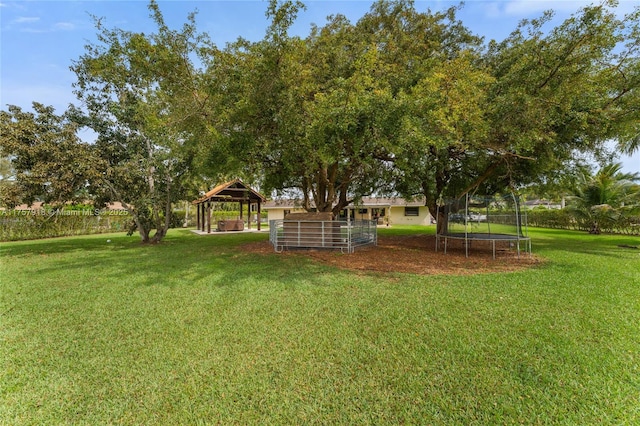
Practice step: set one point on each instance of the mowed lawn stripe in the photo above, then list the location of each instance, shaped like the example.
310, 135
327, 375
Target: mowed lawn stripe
195, 330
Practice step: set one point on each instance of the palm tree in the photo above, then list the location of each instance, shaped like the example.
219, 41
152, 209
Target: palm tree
630, 146
605, 198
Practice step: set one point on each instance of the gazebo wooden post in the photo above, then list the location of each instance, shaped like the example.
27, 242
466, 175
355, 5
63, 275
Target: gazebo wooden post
208, 217
259, 218
202, 224
198, 216
204, 218
249, 214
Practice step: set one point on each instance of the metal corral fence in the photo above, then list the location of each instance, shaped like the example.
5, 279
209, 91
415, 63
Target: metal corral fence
345, 236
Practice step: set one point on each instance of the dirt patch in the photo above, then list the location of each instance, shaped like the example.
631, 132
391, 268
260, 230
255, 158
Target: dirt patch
416, 254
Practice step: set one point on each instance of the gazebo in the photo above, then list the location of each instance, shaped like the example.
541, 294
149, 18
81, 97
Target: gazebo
234, 191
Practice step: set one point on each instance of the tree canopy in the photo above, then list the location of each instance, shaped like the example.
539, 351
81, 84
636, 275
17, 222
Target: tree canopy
401, 102
413, 103
49, 162
132, 88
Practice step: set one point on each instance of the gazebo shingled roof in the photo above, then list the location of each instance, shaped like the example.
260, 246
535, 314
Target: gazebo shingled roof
234, 191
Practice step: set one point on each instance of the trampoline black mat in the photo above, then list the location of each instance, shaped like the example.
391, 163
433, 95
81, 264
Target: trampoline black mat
484, 236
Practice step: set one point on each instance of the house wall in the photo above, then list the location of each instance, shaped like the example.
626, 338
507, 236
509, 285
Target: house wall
278, 213
397, 216
394, 215
367, 213
357, 215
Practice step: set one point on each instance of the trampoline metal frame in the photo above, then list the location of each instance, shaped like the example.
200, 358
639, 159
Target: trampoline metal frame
470, 236
467, 236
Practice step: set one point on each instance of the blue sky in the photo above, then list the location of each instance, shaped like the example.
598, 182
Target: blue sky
40, 38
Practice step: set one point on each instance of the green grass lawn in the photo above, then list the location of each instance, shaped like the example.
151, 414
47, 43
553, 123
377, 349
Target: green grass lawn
194, 331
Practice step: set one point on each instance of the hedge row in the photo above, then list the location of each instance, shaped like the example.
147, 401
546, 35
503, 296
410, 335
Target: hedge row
31, 225
566, 219
14, 227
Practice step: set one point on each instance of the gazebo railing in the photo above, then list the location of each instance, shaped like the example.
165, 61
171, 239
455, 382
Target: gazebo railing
345, 236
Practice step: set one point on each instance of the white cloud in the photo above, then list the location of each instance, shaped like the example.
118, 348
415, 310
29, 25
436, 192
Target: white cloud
26, 20
32, 30
530, 7
533, 8
65, 26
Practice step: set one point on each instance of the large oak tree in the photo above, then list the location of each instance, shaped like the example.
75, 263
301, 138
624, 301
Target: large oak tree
402, 101
323, 115
139, 95
134, 88
411, 102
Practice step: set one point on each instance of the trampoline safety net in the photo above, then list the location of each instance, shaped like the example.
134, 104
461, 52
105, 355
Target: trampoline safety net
494, 220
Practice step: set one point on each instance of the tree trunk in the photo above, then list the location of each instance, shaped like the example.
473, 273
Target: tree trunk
142, 230
442, 217
442, 222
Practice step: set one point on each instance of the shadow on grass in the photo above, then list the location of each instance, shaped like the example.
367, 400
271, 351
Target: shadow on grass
184, 257
181, 257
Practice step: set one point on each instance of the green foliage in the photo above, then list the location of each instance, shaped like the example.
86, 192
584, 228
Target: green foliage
562, 92
411, 102
607, 198
131, 84
553, 218
322, 115
128, 83
8, 190
29, 225
400, 102
48, 159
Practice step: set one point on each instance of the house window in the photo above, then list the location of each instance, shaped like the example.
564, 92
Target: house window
363, 211
412, 211
377, 212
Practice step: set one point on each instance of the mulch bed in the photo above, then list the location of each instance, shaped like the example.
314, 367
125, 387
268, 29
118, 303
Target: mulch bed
415, 254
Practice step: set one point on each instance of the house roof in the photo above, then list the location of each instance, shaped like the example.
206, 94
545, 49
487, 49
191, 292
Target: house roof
233, 191
370, 202
391, 201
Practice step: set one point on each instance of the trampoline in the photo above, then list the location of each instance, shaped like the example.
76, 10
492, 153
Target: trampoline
496, 219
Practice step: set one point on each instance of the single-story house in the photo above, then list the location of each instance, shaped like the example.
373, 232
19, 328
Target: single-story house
550, 205
387, 211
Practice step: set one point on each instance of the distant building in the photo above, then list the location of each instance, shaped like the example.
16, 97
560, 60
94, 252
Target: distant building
548, 204
386, 211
